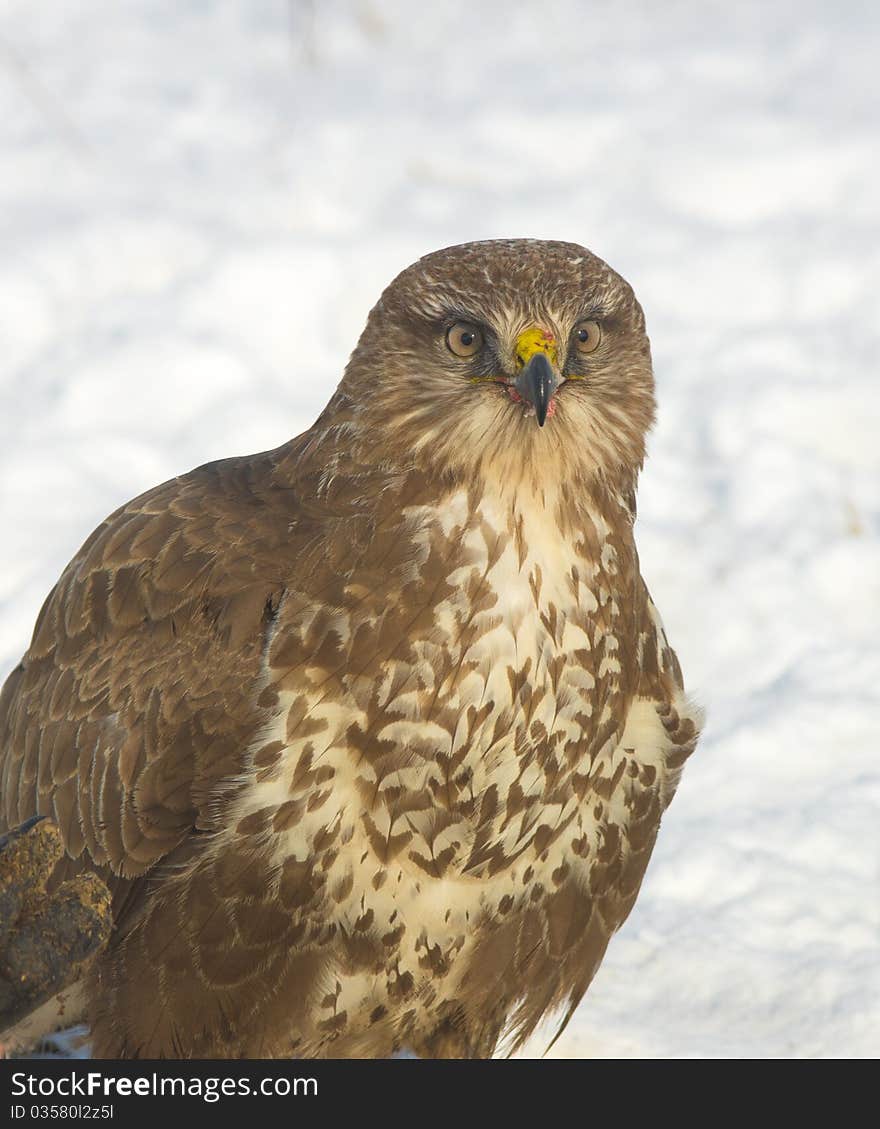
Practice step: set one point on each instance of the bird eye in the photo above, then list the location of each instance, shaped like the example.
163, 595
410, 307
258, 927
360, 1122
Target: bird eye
464, 339
587, 336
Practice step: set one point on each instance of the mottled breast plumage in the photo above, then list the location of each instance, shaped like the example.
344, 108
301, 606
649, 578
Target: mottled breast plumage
371, 735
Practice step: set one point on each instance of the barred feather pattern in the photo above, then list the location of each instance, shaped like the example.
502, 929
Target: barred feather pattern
371, 736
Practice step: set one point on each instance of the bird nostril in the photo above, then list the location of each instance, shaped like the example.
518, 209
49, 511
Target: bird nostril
536, 339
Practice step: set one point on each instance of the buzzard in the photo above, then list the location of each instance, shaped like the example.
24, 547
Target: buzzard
370, 735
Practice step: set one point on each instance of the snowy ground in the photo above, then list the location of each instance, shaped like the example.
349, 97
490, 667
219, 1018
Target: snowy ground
199, 202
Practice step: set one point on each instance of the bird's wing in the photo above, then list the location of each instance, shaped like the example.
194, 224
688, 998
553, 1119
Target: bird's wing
128, 717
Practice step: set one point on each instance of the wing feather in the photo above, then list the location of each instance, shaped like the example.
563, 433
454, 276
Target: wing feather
139, 693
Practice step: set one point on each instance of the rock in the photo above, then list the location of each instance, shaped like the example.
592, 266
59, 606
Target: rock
46, 939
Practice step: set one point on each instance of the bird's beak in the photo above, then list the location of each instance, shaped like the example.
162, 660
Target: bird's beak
537, 380
536, 384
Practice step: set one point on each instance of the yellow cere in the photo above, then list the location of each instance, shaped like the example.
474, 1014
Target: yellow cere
535, 340
530, 341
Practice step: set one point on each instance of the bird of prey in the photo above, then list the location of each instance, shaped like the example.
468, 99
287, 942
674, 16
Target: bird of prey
370, 735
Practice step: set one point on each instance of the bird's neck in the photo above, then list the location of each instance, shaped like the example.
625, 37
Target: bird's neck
557, 501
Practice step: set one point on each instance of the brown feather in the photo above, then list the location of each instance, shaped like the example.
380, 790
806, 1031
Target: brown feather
370, 735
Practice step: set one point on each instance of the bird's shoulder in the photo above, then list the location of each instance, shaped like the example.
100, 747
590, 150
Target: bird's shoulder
137, 695
217, 533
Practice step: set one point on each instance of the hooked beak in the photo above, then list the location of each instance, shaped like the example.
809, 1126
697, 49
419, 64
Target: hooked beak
536, 383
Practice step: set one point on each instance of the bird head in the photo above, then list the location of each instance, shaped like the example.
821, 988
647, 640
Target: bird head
506, 359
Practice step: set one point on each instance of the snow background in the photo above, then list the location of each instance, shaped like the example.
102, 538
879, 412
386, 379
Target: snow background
200, 200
